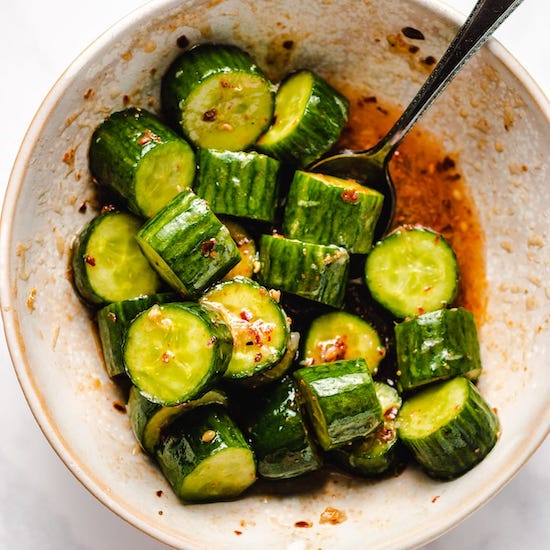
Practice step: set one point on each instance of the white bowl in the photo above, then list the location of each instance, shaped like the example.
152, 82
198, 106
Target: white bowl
55, 351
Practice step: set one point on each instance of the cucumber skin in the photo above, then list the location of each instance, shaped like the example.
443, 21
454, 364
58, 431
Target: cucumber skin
115, 152
345, 393
350, 225
181, 448
460, 445
238, 183
179, 233
202, 62
113, 321
316, 272
278, 435
436, 346
324, 117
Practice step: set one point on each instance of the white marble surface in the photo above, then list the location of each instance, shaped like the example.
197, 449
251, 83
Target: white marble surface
42, 506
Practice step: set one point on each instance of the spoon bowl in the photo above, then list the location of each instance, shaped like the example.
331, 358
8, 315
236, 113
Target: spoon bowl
371, 166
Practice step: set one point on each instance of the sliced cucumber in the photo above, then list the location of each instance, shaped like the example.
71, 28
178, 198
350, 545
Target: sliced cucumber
148, 419
258, 325
377, 453
188, 245
449, 427
176, 352
354, 211
107, 263
435, 346
314, 271
340, 399
412, 271
205, 457
278, 370
142, 159
309, 117
278, 435
249, 262
238, 183
113, 321
218, 96
341, 335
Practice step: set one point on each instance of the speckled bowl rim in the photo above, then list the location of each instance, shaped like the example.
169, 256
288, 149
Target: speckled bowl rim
13, 334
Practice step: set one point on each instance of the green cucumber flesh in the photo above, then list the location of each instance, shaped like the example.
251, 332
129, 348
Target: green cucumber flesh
113, 321
448, 426
175, 352
309, 117
107, 263
142, 159
341, 335
258, 325
205, 457
218, 96
411, 271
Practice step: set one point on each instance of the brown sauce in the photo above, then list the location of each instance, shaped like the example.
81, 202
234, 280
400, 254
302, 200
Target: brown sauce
430, 190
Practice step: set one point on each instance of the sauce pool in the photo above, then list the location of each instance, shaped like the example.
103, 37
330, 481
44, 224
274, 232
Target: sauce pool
430, 191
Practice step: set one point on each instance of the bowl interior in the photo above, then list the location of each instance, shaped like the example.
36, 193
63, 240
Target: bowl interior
492, 117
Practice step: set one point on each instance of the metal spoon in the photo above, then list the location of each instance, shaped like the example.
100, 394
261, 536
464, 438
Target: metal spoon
370, 167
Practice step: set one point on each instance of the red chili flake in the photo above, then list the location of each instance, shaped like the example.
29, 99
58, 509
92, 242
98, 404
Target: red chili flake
207, 247
225, 84
112, 316
245, 315
108, 208
212, 341
210, 115
257, 357
144, 139
119, 407
83, 207
160, 512
125, 99
303, 523
385, 434
89, 93
238, 532
159, 493
89, 260
350, 195
435, 499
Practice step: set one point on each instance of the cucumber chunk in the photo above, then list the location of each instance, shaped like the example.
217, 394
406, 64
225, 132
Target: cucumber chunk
340, 399
238, 183
107, 263
314, 271
412, 271
205, 457
309, 117
148, 419
258, 325
354, 211
436, 346
175, 352
377, 453
113, 321
341, 335
142, 159
278, 436
188, 245
449, 427
218, 96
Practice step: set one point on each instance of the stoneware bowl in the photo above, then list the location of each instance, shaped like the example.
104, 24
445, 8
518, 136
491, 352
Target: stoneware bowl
494, 120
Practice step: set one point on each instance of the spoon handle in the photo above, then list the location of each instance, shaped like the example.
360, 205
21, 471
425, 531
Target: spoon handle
485, 18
